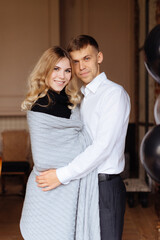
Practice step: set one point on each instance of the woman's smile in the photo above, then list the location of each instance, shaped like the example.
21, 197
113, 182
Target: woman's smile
60, 76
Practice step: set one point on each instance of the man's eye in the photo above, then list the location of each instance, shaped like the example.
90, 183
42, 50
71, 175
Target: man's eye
75, 62
87, 58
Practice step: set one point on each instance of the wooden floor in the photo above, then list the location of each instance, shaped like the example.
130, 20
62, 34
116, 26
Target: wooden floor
140, 223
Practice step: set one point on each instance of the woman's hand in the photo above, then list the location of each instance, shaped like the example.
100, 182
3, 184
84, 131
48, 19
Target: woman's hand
48, 180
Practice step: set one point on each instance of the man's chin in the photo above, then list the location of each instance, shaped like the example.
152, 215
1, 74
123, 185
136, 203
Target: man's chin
85, 80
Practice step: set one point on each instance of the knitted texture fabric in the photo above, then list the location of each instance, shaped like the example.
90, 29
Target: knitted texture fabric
71, 211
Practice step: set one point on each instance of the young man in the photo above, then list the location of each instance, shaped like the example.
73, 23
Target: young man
105, 112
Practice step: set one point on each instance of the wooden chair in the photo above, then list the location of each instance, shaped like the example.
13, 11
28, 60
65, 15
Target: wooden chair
15, 149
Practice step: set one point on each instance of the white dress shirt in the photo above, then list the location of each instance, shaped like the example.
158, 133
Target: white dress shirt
105, 113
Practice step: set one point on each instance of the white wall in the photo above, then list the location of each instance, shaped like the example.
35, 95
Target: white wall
27, 28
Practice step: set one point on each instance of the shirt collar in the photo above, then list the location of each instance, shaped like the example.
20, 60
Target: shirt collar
94, 84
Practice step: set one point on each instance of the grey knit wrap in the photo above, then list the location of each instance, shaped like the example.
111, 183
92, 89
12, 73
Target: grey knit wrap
71, 211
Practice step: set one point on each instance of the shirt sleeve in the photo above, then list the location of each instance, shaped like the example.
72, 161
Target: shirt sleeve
113, 120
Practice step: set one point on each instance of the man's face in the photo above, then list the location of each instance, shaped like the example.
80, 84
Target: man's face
86, 63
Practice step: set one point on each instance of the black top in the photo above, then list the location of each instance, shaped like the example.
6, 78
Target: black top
57, 107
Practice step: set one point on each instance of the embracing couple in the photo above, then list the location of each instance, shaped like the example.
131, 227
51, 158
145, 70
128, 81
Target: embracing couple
78, 121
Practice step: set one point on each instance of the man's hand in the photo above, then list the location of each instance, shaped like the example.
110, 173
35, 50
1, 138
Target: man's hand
48, 180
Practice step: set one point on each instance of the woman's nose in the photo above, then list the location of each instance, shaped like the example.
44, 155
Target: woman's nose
61, 74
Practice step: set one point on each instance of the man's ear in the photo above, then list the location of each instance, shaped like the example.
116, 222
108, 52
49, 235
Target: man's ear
100, 57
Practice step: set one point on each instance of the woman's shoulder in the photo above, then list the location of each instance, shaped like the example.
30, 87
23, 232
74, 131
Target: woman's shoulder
54, 104
40, 104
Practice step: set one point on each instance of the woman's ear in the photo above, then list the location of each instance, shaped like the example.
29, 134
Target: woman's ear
100, 57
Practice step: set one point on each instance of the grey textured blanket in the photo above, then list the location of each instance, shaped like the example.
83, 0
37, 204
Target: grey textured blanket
69, 212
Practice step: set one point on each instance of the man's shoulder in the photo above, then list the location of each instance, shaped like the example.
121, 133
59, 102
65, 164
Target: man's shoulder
112, 90
109, 86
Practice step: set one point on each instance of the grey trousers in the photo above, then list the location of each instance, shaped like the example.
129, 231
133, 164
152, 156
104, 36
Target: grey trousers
112, 201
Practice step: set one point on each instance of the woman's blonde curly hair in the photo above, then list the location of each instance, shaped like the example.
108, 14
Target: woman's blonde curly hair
42, 72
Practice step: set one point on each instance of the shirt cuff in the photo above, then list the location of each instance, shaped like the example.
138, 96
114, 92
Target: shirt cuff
63, 175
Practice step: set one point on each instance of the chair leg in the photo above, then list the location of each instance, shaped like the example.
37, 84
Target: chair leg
143, 198
131, 199
3, 184
24, 183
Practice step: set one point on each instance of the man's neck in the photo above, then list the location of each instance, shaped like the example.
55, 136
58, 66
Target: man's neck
85, 84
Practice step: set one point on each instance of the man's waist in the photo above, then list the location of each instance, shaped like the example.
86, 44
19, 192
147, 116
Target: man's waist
106, 177
107, 168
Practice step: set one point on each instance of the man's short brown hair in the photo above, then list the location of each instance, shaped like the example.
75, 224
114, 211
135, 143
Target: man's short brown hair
81, 41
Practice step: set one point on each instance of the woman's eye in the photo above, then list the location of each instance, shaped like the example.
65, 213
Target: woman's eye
68, 70
56, 68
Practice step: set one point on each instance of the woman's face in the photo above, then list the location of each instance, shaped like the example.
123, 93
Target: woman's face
60, 76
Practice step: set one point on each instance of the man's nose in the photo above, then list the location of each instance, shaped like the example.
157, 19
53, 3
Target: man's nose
81, 65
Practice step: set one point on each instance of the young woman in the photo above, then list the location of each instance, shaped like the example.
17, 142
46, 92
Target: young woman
57, 136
